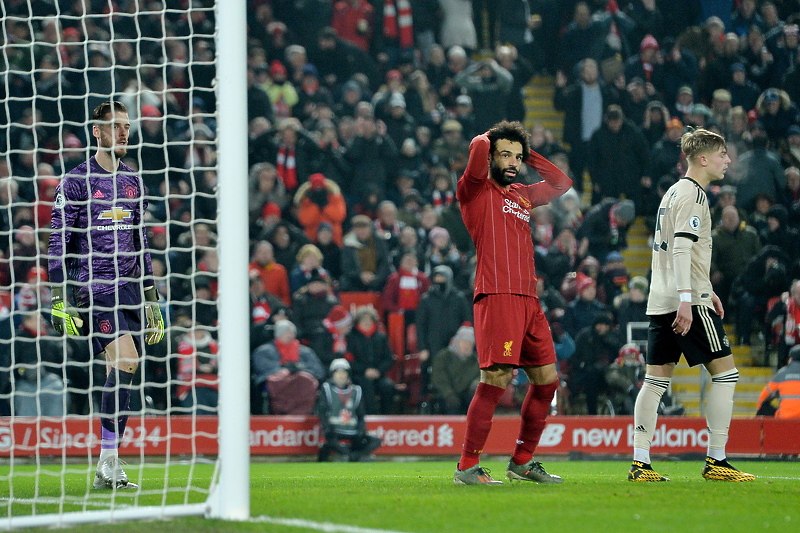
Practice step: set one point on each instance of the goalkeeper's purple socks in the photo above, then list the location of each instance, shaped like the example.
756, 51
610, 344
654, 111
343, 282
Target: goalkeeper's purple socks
112, 424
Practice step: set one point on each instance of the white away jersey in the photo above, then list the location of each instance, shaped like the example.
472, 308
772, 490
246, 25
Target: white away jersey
683, 213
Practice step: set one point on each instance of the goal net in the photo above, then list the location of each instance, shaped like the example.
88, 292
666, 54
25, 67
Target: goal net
159, 58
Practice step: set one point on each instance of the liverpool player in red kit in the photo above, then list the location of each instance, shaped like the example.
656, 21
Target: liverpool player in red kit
511, 330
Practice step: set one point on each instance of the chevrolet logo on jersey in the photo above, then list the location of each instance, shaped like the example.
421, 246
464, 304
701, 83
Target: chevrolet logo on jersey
116, 214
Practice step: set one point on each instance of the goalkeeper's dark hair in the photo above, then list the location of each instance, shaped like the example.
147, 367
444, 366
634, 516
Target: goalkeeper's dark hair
101, 112
510, 131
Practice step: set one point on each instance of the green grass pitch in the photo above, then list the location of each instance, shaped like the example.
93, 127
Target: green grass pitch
420, 497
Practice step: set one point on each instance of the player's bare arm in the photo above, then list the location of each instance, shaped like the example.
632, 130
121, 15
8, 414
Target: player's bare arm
717, 305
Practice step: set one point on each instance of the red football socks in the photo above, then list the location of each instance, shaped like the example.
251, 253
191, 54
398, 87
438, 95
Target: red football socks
534, 412
479, 423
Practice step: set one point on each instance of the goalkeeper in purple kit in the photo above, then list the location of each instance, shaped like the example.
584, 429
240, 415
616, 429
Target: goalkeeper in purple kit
98, 250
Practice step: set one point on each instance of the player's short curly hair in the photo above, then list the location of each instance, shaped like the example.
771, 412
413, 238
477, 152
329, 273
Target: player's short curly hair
510, 131
699, 141
101, 112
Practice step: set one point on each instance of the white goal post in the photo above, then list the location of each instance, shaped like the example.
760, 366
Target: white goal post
54, 501
231, 498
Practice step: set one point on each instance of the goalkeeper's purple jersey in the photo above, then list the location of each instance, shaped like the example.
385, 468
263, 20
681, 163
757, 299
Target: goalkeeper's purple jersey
98, 237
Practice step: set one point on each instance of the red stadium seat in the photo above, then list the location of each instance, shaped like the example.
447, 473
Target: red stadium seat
412, 377
396, 325
350, 299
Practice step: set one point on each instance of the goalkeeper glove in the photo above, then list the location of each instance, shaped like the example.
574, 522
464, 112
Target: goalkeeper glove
152, 314
64, 318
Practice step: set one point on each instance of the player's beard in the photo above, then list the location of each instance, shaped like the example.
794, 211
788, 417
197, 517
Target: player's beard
499, 175
116, 150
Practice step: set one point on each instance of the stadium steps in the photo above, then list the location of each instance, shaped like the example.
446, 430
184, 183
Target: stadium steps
637, 255
686, 388
686, 385
539, 105
539, 109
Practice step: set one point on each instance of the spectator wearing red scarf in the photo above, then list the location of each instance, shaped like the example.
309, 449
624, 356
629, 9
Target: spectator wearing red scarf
405, 288
286, 162
265, 310
647, 64
394, 31
372, 359
287, 372
337, 325
295, 150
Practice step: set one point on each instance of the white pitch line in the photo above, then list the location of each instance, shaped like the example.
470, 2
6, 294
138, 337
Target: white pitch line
327, 527
56, 501
778, 477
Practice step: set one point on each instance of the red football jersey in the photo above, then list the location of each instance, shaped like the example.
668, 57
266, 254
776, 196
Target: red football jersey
499, 220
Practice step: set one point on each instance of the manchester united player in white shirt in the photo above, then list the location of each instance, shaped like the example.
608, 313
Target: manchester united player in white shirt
685, 314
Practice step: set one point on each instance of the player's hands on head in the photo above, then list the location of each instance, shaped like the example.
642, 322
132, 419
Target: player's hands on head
65, 319
154, 320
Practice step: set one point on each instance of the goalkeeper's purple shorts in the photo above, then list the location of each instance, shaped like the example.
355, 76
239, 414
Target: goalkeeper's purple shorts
113, 315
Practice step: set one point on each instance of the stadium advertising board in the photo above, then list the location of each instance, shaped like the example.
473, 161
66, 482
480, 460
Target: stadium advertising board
401, 435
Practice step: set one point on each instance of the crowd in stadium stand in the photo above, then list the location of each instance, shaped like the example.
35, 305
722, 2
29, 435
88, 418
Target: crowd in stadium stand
360, 116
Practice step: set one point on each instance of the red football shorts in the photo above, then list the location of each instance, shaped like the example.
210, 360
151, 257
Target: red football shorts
511, 329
